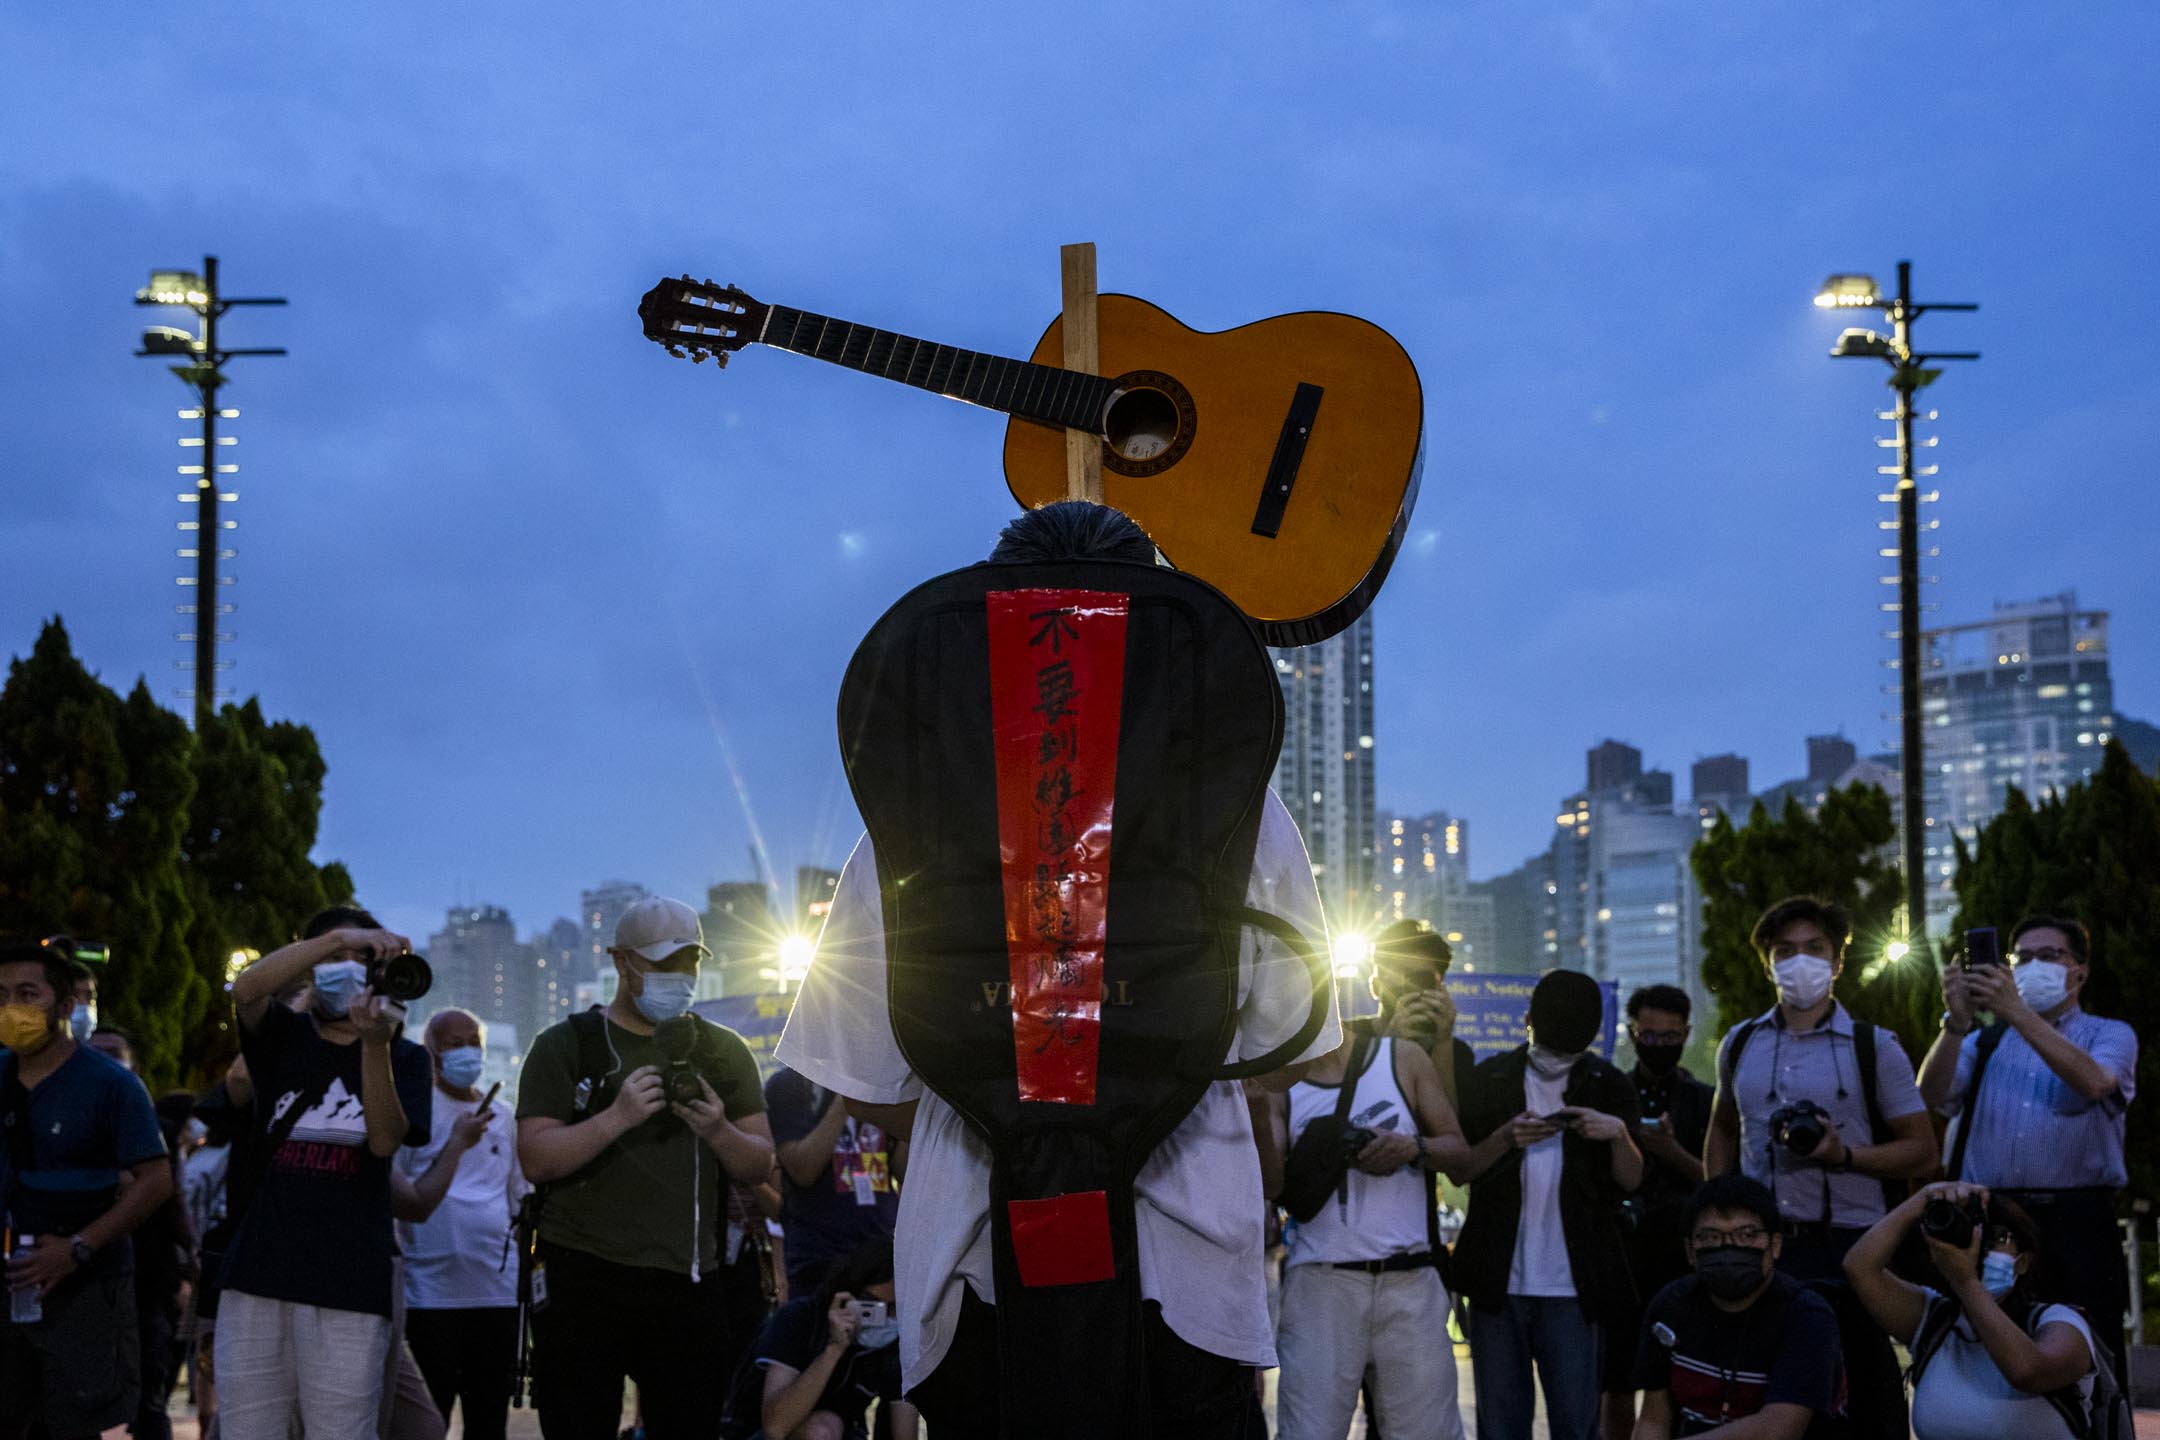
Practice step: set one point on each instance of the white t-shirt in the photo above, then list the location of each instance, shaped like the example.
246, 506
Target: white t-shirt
464, 1256
1963, 1395
1540, 1266
1198, 1198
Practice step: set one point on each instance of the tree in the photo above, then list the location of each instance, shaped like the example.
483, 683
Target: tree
1841, 853
177, 850
2092, 854
94, 794
250, 830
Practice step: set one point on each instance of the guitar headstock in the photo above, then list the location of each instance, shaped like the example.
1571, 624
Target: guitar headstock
698, 318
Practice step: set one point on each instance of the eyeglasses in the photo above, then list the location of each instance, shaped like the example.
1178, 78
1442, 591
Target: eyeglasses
1750, 1236
2051, 954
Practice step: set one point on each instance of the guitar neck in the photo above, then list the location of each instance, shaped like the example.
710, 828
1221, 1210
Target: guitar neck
1041, 393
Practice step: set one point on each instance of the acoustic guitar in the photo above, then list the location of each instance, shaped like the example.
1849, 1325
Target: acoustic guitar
1277, 461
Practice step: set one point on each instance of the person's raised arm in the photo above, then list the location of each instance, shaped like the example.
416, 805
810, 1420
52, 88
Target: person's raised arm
550, 1149
1939, 1067
1994, 989
377, 1018
415, 1198
808, 1156
1894, 1304
262, 982
791, 1395
895, 1120
2033, 1364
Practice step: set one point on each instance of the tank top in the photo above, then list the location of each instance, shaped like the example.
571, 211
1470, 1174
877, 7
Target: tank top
1374, 1216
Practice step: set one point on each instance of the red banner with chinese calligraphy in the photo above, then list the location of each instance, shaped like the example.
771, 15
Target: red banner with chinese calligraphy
1057, 680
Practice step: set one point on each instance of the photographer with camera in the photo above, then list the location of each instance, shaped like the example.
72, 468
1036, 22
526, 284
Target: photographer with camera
1822, 1108
631, 1121
1540, 1255
1737, 1348
82, 1167
1989, 1357
824, 1356
303, 1330
2039, 1098
1362, 1134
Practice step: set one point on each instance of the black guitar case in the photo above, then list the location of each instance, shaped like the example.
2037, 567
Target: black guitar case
1062, 769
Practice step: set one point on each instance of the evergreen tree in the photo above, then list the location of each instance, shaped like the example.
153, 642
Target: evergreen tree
2092, 854
94, 794
1842, 853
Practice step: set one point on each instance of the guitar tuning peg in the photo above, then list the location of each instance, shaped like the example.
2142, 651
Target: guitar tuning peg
697, 357
720, 360
676, 351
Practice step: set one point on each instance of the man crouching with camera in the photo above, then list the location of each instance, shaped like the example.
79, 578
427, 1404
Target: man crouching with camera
627, 1120
824, 1356
304, 1321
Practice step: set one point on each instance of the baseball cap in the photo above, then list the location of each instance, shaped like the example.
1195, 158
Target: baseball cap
656, 927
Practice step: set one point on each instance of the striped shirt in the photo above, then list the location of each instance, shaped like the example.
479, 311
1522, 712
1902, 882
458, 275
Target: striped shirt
2031, 1130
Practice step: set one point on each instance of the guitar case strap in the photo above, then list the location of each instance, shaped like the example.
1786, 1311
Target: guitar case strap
1062, 769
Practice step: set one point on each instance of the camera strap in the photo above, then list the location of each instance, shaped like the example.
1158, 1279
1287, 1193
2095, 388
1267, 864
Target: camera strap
1991, 1036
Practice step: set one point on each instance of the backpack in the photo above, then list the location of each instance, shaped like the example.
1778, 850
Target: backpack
2106, 1416
1863, 1048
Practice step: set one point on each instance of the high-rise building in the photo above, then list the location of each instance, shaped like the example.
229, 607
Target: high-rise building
815, 887
2024, 699
1520, 902
599, 909
1718, 785
1613, 765
742, 934
1421, 862
558, 959
1829, 757
1325, 772
480, 966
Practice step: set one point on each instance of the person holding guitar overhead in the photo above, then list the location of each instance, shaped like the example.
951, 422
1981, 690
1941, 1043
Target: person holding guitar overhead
988, 1344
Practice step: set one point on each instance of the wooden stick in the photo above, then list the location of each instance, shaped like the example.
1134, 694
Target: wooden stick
1083, 451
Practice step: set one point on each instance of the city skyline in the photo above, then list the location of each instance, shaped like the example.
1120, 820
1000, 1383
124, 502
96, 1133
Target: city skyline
562, 608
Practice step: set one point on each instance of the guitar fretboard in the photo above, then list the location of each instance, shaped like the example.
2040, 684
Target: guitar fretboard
1042, 393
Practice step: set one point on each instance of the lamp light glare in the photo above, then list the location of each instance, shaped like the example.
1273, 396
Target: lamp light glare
796, 953
1351, 952
1849, 292
1896, 950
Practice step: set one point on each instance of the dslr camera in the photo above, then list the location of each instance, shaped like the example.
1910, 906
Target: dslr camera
678, 1072
1952, 1221
1799, 1126
403, 978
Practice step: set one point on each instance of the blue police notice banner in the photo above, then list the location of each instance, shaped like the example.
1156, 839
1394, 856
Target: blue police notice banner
1492, 1012
757, 1018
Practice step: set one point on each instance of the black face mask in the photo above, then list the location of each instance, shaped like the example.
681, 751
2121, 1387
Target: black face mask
1658, 1061
1730, 1272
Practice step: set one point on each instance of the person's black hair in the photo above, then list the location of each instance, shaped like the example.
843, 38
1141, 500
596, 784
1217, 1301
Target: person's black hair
1737, 1193
1072, 530
338, 917
2080, 942
1567, 1010
174, 1109
1830, 916
1412, 945
870, 1263
103, 1028
61, 971
1669, 998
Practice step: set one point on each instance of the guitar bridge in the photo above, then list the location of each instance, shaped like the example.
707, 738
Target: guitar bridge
1289, 455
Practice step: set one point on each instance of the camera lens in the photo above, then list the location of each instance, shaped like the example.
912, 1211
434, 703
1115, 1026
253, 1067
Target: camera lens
1948, 1221
403, 978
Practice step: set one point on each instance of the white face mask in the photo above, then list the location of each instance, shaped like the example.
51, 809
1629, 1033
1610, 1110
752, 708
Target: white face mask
337, 984
2042, 984
1803, 980
462, 1066
665, 996
1552, 1064
82, 1022
1998, 1272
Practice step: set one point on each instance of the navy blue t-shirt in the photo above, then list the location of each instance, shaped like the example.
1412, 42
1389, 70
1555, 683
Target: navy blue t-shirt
795, 1336
89, 1120
851, 1201
318, 1231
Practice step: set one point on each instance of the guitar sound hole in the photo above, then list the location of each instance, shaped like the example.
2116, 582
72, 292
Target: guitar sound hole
1142, 425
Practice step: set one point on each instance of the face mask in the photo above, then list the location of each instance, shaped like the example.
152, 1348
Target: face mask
461, 1067
1552, 1064
82, 1023
877, 1337
1658, 1061
1730, 1272
337, 984
2041, 983
665, 996
195, 1132
25, 1029
1803, 980
1998, 1272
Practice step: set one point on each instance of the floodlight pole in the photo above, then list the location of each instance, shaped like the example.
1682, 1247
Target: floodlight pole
205, 377
1909, 373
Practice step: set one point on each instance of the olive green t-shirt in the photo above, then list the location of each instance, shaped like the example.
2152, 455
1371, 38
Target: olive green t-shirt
656, 1197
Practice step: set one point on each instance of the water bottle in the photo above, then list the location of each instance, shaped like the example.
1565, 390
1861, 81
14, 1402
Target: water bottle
24, 1307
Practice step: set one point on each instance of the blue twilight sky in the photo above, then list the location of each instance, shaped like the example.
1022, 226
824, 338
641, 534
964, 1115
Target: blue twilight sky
562, 608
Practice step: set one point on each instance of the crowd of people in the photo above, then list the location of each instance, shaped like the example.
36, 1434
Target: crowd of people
347, 1237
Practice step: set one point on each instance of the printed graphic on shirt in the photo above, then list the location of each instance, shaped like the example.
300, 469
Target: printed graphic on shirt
861, 1162
329, 1137
1383, 1114
1706, 1395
